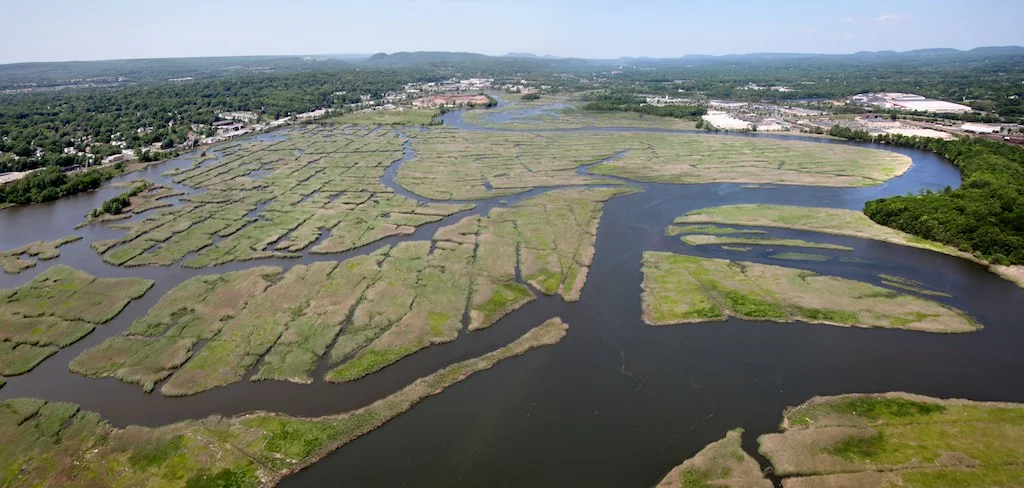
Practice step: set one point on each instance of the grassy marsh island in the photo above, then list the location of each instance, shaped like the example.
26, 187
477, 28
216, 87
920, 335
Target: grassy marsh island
13, 261
366, 312
461, 165
275, 199
406, 117
57, 444
909, 285
549, 239
696, 158
831, 221
683, 289
56, 309
713, 240
898, 439
800, 256
674, 230
559, 112
714, 235
812, 219
721, 463
873, 441
142, 196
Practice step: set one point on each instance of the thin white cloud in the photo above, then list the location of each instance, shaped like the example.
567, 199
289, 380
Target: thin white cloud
888, 18
810, 30
846, 20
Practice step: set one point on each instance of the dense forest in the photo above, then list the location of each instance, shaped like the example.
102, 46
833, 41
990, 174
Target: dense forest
47, 122
985, 216
51, 183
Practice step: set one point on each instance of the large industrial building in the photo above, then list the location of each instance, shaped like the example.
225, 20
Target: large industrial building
909, 102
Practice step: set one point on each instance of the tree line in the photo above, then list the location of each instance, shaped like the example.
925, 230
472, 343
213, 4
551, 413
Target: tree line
51, 183
626, 102
984, 216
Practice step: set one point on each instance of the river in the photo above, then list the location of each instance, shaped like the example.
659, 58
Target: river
617, 402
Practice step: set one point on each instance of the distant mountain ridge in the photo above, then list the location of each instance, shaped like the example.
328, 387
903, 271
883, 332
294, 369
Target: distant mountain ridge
531, 55
435, 57
133, 71
916, 53
418, 57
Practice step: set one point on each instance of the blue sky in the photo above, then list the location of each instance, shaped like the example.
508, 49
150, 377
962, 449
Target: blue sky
49, 30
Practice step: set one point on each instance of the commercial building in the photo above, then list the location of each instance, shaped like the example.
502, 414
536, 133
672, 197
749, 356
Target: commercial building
126, 155
909, 102
248, 117
919, 132
724, 121
232, 127
980, 128
312, 115
726, 105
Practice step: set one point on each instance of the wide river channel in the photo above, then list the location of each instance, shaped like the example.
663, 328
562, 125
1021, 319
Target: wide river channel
617, 402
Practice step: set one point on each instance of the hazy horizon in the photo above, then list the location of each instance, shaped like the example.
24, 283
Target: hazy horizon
354, 55
120, 29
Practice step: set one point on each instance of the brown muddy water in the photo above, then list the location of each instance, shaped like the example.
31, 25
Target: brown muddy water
617, 402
